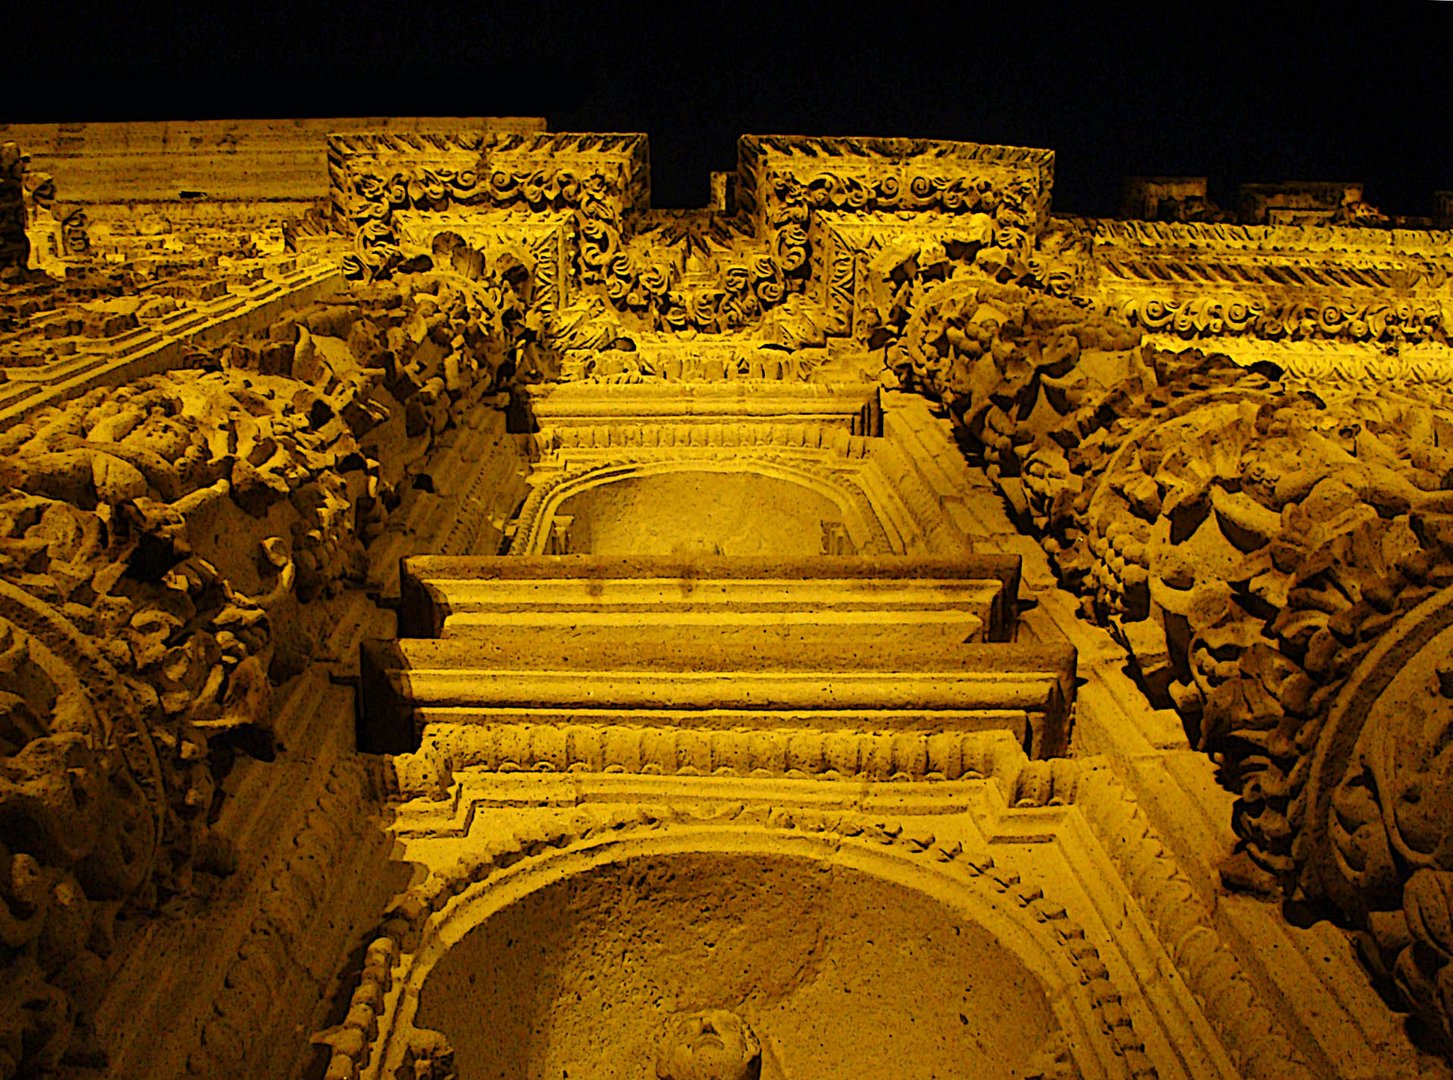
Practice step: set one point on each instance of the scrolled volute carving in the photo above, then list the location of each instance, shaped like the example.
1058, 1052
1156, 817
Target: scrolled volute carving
593, 196
1252, 544
1380, 322
691, 271
715, 1044
81, 837
1246, 540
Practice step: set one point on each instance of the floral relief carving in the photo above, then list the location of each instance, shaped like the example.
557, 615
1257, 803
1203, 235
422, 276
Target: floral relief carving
1379, 322
167, 550
1247, 538
713, 273
1269, 537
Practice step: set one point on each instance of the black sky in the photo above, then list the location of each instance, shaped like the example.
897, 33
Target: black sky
1237, 91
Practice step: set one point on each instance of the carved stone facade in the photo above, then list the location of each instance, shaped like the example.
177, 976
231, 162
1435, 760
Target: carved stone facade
872, 625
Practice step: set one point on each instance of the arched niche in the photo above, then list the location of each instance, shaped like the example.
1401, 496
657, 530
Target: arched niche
845, 957
839, 973
699, 507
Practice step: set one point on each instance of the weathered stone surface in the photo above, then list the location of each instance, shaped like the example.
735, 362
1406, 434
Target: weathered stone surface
14, 243
168, 552
707, 637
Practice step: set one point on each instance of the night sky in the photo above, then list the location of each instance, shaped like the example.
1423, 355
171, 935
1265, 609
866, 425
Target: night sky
1235, 91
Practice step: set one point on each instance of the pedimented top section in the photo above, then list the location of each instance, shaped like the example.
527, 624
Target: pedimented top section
537, 169
1012, 184
371, 175
781, 260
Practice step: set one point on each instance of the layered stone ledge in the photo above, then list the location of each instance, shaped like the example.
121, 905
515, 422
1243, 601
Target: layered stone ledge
848, 645
975, 596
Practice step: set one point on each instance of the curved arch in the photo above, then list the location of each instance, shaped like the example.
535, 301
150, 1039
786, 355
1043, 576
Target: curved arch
864, 527
1035, 932
1399, 660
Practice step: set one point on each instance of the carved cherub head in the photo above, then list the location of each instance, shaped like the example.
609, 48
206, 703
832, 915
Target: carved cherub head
711, 1045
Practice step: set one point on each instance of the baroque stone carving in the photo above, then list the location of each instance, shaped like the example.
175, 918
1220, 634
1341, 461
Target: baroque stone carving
1261, 521
755, 268
34, 227
1261, 1048
373, 177
142, 636
1248, 539
1377, 810
1381, 322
